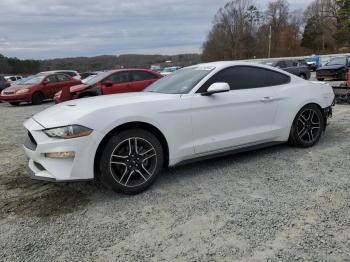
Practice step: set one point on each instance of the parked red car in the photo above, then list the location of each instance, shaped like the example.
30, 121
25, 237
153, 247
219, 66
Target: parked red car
37, 88
111, 82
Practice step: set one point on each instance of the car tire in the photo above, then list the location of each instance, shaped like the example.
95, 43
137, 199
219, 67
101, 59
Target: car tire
131, 161
37, 98
307, 127
14, 103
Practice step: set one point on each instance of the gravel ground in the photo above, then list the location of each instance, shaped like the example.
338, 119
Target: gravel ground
275, 204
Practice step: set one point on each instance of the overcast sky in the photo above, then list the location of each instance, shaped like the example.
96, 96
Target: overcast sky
67, 28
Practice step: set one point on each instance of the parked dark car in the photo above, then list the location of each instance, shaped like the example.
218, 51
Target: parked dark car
3, 83
295, 67
335, 70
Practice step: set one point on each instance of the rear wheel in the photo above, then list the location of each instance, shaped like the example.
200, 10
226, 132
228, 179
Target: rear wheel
131, 161
307, 127
38, 98
14, 103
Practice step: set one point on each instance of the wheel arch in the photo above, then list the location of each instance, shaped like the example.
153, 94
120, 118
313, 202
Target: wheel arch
126, 126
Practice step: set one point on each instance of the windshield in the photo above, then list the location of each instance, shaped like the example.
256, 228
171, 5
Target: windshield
33, 80
180, 82
96, 78
23, 80
88, 78
337, 61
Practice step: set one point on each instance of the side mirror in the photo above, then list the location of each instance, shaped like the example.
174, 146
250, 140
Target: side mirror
108, 83
217, 88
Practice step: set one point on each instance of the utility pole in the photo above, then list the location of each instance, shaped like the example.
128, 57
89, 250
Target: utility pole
270, 38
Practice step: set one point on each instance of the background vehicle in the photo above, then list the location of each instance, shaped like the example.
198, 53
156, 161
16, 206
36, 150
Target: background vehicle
37, 88
111, 82
88, 78
198, 112
295, 67
311, 63
13, 78
335, 70
169, 70
3, 83
71, 73
87, 74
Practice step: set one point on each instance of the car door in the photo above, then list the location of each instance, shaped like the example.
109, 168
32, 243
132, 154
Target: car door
142, 79
120, 83
241, 117
50, 86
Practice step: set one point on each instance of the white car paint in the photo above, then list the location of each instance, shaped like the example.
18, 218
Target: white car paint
193, 125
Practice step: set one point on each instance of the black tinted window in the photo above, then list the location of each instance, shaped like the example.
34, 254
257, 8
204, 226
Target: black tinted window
142, 75
245, 77
281, 64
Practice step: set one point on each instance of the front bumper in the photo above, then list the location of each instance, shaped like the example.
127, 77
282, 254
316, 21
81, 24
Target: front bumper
15, 98
77, 168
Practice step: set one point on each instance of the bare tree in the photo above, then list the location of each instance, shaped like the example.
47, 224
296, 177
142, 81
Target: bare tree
232, 35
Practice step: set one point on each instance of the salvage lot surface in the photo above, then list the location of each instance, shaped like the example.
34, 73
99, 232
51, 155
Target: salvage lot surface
279, 203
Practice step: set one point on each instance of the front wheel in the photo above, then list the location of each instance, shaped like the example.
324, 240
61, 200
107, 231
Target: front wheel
131, 161
38, 98
307, 127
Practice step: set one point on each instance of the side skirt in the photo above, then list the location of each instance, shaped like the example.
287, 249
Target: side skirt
229, 152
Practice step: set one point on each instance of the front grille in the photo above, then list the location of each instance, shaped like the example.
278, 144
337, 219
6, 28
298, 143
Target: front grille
30, 142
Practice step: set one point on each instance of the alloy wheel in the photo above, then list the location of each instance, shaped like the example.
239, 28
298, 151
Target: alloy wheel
309, 126
133, 162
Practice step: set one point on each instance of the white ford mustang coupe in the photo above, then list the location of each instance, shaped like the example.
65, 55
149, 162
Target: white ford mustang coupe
202, 111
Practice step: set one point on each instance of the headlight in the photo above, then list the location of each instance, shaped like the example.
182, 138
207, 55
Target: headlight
22, 91
67, 132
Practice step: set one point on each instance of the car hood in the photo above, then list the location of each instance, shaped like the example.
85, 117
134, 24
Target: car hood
331, 67
71, 112
15, 88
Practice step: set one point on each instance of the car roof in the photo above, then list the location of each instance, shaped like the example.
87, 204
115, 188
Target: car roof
131, 69
58, 71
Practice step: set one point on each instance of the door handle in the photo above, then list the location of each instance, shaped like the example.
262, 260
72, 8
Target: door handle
266, 99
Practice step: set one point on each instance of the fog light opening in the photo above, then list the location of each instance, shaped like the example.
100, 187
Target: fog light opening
68, 154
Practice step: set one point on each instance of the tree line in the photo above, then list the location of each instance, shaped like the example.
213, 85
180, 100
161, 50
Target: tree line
241, 31
9, 65
97, 63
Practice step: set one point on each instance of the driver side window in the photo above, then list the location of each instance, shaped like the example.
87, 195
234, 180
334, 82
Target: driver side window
51, 79
119, 78
247, 77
